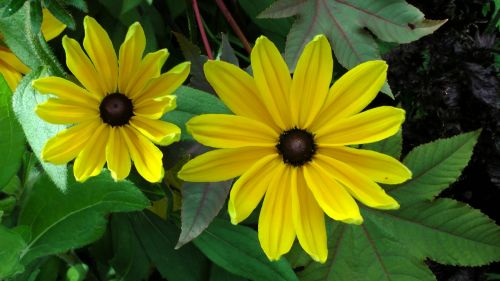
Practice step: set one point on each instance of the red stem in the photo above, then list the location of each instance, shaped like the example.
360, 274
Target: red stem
234, 25
202, 30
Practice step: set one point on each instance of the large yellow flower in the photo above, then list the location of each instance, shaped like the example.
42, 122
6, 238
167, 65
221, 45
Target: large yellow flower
116, 111
11, 67
289, 141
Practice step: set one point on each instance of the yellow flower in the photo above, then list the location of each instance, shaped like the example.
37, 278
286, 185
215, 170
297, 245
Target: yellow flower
11, 67
116, 111
289, 142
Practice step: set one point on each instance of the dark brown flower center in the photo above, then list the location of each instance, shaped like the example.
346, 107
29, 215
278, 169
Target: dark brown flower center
116, 109
296, 146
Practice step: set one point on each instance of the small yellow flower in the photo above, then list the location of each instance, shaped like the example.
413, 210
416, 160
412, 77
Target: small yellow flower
11, 67
116, 111
289, 141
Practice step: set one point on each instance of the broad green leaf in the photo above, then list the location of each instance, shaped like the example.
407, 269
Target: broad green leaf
158, 237
12, 7
130, 261
444, 230
201, 202
11, 247
236, 249
74, 218
192, 102
218, 273
35, 12
390, 146
59, 11
435, 166
37, 131
366, 253
12, 139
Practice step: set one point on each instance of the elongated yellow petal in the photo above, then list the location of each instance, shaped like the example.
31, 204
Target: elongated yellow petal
158, 131
146, 156
352, 92
365, 127
335, 201
276, 230
149, 68
91, 159
237, 90
359, 185
117, 154
12, 61
57, 111
130, 54
66, 90
100, 50
67, 144
230, 131
154, 109
273, 80
249, 189
10, 75
166, 84
81, 66
51, 26
311, 81
222, 164
308, 218
377, 166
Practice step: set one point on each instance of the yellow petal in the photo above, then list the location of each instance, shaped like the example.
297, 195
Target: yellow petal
308, 219
359, 185
81, 66
352, 92
158, 131
149, 68
222, 164
51, 26
66, 90
130, 54
10, 75
365, 127
311, 81
377, 166
100, 50
237, 89
230, 131
146, 156
332, 197
90, 161
166, 84
249, 189
273, 80
67, 144
117, 154
276, 230
154, 109
12, 61
57, 111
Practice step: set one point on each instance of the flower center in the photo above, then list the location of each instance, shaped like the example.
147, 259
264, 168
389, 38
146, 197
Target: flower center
296, 146
116, 109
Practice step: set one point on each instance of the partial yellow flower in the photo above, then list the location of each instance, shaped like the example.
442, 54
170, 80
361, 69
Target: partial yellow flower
115, 114
289, 143
11, 67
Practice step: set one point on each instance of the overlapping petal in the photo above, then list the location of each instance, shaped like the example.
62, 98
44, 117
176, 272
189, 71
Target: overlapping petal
91, 159
166, 84
158, 131
149, 68
154, 109
117, 155
66, 90
58, 111
130, 54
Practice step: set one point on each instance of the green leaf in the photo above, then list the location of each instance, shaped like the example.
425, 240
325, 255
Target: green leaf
35, 12
366, 253
11, 247
201, 202
59, 11
218, 273
74, 218
226, 52
435, 166
445, 230
390, 146
13, 7
37, 131
12, 139
192, 102
129, 261
237, 249
79, 4
158, 237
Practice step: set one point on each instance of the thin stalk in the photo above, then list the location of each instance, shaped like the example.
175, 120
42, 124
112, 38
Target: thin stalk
234, 25
202, 30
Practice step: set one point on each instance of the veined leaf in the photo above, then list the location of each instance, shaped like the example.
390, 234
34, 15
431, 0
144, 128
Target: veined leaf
435, 166
12, 139
237, 249
62, 221
11, 247
444, 230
